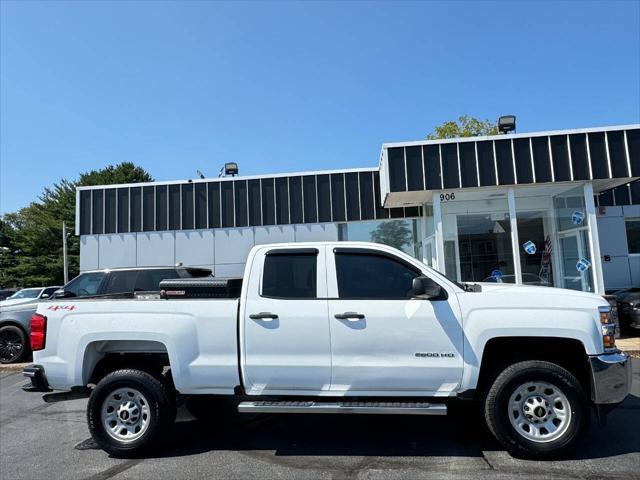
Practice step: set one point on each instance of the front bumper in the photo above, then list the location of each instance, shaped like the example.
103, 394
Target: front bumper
610, 378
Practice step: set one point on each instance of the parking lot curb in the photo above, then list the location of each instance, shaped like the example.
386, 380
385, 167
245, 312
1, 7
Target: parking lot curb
12, 367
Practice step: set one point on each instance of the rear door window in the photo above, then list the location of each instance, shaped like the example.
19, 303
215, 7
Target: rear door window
290, 275
121, 282
149, 280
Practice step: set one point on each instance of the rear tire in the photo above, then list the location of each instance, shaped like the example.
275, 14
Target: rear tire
130, 412
13, 344
536, 410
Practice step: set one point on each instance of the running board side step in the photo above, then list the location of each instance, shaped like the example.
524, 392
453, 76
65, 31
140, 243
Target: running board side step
379, 408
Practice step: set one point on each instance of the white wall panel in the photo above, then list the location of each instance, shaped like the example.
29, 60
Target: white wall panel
229, 270
634, 268
274, 234
117, 250
195, 247
89, 251
156, 249
616, 272
612, 235
316, 232
232, 245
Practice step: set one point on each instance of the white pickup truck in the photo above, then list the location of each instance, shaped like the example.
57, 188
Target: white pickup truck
339, 327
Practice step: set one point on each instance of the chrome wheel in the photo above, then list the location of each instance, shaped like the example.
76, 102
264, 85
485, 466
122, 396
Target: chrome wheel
539, 411
125, 414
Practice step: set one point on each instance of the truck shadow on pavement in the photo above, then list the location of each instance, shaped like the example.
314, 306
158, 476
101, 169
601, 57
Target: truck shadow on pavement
461, 434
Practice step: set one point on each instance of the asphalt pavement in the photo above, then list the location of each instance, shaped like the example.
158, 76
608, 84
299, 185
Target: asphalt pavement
51, 441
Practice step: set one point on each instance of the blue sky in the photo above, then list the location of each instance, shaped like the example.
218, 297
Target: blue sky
278, 87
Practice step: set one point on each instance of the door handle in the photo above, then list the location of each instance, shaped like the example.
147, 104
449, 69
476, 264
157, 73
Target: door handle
349, 316
263, 316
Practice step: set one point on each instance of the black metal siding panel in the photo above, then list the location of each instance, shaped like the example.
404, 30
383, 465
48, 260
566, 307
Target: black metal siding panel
606, 199
397, 179
324, 198
227, 204
187, 206
450, 165
110, 210
310, 201
560, 157
504, 162
353, 197
621, 195
337, 197
412, 212
255, 203
486, 163
617, 155
201, 205
136, 209
579, 158
397, 212
123, 210
268, 201
213, 202
85, 212
240, 187
162, 196
432, 174
380, 211
522, 151
415, 178
295, 200
97, 203
174, 207
635, 192
282, 201
468, 171
541, 162
598, 153
148, 208
367, 202
633, 143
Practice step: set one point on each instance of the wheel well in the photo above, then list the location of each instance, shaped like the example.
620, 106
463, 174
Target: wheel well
504, 351
104, 357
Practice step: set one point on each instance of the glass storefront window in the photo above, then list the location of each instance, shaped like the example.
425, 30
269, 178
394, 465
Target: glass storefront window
553, 237
477, 238
402, 234
573, 233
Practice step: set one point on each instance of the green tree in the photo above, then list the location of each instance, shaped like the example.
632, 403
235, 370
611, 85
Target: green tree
31, 238
466, 126
395, 233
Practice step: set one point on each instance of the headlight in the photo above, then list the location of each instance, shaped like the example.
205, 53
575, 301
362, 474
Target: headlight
608, 327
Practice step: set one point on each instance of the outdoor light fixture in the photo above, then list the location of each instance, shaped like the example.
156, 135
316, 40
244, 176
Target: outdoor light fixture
231, 168
200, 174
507, 123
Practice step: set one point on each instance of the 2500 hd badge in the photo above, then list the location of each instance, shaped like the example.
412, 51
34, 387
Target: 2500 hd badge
435, 354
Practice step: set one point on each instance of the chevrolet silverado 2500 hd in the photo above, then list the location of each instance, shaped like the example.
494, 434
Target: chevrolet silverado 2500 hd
338, 327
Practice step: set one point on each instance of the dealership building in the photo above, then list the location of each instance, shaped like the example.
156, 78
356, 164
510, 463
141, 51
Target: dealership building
557, 208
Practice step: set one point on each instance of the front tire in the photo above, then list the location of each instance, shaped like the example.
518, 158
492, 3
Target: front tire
130, 412
536, 410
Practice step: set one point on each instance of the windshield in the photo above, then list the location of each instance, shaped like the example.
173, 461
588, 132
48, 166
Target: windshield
26, 293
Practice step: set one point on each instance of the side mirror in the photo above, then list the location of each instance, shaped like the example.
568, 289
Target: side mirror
45, 295
60, 294
424, 287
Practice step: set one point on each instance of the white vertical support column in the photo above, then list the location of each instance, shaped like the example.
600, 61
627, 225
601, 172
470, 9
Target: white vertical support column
423, 233
594, 241
515, 243
437, 223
